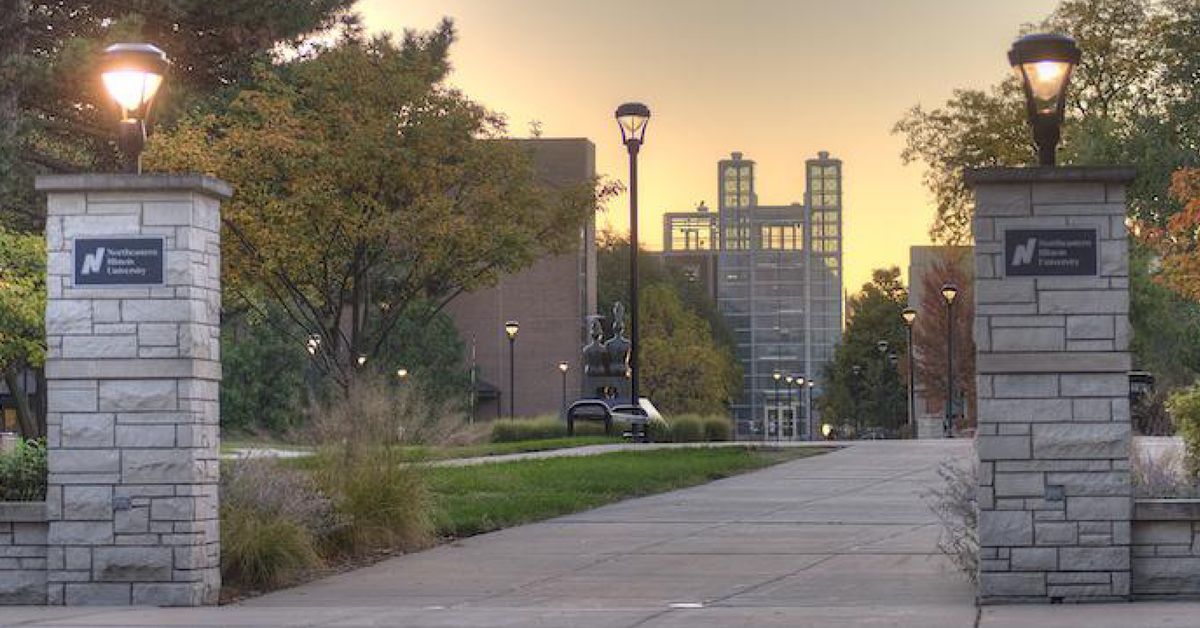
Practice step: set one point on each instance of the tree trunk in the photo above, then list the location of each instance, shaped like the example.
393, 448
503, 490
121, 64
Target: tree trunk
25, 415
14, 22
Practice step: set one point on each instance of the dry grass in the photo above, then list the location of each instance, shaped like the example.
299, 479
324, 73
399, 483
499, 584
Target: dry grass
953, 501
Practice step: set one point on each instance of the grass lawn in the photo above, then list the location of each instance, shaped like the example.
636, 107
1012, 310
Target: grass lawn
476, 499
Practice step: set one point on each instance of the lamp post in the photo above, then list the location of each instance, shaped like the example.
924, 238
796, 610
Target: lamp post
776, 376
856, 391
563, 367
787, 396
132, 74
909, 316
949, 292
881, 346
1043, 63
510, 329
633, 117
799, 407
808, 404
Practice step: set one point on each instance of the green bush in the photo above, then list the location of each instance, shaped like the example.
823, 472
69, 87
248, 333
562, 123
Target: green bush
381, 497
717, 429
23, 472
658, 431
1184, 407
687, 429
510, 430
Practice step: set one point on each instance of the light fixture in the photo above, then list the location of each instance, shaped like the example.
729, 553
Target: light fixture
402, 373
511, 328
909, 315
799, 380
881, 346
826, 430
949, 291
362, 359
133, 74
633, 117
313, 343
776, 376
1044, 63
789, 379
563, 366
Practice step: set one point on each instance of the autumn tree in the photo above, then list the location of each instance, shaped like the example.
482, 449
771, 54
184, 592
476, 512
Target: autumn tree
22, 308
55, 116
367, 187
862, 386
930, 333
682, 367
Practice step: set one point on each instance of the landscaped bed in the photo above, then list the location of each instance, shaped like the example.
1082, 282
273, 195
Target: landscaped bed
286, 523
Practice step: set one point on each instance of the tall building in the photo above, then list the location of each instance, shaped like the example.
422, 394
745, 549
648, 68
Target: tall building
550, 300
776, 273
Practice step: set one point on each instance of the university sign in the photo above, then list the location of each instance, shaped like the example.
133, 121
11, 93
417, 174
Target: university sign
129, 261
1049, 252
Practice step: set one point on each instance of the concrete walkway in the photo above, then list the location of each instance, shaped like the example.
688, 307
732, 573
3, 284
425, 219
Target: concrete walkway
842, 539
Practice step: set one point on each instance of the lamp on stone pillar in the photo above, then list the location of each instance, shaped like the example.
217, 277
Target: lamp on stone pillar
133, 74
1043, 63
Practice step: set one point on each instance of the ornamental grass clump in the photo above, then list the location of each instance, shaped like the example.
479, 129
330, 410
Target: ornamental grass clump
23, 472
274, 521
381, 495
953, 501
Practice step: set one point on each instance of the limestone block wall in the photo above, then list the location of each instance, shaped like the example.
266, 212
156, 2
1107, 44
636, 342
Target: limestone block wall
1166, 548
132, 382
1054, 433
22, 553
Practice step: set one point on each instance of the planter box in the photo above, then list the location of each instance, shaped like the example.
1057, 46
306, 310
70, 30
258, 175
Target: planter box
1166, 548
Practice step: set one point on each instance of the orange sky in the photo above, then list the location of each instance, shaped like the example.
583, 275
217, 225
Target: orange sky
776, 79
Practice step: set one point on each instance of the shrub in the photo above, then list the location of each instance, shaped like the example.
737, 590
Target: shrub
1159, 475
381, 496
687, 429
377, 411
511, 430
1184, 407
272, 521
717, 429
658, 431
953, 501
23, 472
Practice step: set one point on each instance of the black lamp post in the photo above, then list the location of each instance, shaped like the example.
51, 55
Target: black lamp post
132, 74
799, 412
787, 400
909, 315
949, 292
881, 346
776, 376
563, 367
857, 392
510, 329
633, 117
1043, 64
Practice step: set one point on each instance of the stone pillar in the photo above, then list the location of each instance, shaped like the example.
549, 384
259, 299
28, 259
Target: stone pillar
132, 371
1052, 335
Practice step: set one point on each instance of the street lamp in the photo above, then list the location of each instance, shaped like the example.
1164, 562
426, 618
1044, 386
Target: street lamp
510, 329
787, 395
909, 315
808, 403
1043, 63
132, 74
633, 117
882, 347
798, 412
563, 367
402, 373
949, 292
775, 402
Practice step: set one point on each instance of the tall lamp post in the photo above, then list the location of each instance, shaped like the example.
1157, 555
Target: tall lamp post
799, 407
510, 329
909, 316
1043, 63
881, 346
791, 408
808, 404
563, 367
949, 292
132, 74
633, 117
776, 376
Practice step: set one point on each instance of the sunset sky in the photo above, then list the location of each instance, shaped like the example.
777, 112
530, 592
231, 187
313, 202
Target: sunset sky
778, 80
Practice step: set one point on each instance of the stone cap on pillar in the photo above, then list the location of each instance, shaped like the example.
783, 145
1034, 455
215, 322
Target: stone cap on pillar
203, 184
1049, 174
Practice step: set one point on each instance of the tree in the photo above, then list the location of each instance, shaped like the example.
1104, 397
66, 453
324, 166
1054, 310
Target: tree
929, 332
367, 188
682, 367
22, 311
54, 114
861, 385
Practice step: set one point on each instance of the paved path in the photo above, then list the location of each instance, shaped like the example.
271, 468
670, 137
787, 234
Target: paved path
842, 539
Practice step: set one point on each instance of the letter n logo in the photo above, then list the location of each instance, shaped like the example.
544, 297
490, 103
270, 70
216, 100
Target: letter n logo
1023, 253
92, 262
